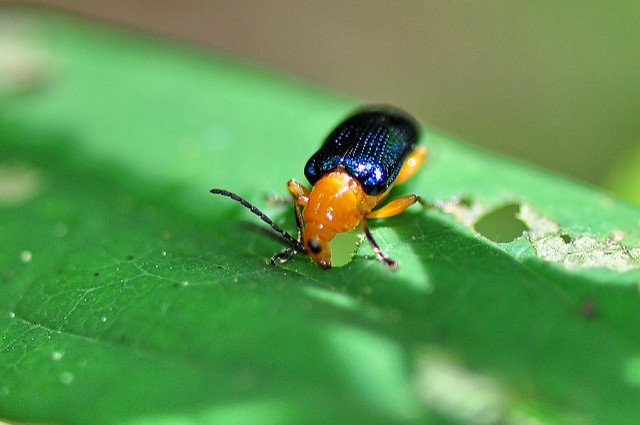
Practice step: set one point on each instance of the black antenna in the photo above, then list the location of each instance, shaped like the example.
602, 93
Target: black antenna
293, 241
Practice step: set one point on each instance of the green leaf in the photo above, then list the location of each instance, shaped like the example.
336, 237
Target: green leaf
129, 294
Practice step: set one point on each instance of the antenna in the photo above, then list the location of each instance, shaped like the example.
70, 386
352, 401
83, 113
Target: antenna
295, 244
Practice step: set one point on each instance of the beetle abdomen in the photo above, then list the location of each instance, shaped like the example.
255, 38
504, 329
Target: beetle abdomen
371, 145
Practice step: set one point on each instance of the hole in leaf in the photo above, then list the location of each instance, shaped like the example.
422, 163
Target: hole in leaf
501, 224
343, 248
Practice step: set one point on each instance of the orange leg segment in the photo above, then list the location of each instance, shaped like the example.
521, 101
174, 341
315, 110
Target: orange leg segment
411, 164
298, 190
395, 207
301, 195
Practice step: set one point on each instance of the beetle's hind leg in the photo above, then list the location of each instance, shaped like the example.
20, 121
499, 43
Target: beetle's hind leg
397, 206
391, 264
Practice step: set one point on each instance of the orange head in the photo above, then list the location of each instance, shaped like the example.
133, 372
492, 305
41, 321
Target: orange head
316, 244
337, 203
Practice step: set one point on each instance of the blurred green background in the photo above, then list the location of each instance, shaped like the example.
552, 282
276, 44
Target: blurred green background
554, 83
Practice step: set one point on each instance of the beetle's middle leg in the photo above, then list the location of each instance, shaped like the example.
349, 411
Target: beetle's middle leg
394, 207
391, 264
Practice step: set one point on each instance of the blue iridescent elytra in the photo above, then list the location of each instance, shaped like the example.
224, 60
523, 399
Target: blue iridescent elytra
371, 145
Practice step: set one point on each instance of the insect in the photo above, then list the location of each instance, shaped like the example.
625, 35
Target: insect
351, 174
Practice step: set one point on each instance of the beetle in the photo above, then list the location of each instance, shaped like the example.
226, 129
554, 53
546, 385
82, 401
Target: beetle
359, 162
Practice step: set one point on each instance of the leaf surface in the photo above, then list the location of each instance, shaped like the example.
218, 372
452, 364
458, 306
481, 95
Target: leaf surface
129, 294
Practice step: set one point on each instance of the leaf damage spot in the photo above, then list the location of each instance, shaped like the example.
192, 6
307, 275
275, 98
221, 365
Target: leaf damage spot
501, 224
464, 210
511, 221
576, 251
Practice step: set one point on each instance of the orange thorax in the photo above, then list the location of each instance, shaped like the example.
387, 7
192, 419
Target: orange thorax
337, 203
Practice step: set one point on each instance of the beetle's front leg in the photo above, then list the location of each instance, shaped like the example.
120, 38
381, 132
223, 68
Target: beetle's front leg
301, 195
301, 198
298, 190
283, 257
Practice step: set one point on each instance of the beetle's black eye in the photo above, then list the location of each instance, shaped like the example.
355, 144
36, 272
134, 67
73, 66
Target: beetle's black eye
314, 246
